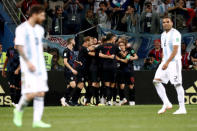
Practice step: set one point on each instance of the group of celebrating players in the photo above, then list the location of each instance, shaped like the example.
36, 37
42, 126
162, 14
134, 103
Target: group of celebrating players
104, 68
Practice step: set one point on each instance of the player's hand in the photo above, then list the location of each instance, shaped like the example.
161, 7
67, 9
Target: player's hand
117, 58
112, 56
16, 72
165, 66
3, 73
31, 67
74, 72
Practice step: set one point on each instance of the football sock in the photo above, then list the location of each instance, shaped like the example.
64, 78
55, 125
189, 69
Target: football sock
108, 93
87, 95
38, 105
114, 93
180, 94
161, 92
121, 94
131, 94
76, 95
67, 93
23, 102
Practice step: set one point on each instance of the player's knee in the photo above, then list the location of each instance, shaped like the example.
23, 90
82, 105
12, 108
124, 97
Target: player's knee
122, 87
30, 96
80, 85
156, 81
12, 86
72, 84
131, 86
107, 83
40, 94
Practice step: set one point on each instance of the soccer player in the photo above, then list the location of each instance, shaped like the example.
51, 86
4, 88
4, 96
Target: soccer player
122, 71
85, 53
29, 42
70, 73
12, 63
109, 65
131, 56
170, 67
94, 74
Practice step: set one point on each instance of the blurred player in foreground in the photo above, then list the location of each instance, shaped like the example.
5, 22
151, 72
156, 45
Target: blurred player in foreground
170, 67
29, 36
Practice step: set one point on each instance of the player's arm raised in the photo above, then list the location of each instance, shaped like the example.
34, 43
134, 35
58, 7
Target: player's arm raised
31, 67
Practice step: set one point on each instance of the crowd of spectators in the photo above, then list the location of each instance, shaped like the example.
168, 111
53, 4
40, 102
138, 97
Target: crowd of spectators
189, 59
135, 16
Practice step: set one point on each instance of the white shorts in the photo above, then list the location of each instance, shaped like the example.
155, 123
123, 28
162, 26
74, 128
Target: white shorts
32, 83
172, 73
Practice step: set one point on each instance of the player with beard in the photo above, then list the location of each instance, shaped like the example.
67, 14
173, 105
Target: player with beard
29, 42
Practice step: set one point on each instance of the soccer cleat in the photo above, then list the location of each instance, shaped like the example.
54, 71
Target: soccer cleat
109, 103
132, 103
101, 104
164, 108
40, 124
123, 102
62, 100
114, 103
17, 118
103, 100
13, 104
180, 111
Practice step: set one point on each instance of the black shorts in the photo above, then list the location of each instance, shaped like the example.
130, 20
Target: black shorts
69, 76
121, 77
94, 75
14, 79
108, 75
82, 75
130, 80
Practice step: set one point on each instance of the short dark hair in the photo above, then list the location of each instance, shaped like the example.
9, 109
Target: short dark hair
167, 17
69, 40
109, 36
87, 38
36, 9
103, 3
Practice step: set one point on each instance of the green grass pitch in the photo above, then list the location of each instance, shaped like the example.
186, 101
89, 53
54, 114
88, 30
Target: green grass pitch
125, 118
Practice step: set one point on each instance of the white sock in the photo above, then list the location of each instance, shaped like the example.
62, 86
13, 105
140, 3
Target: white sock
38, 108
161, 92
180, 94
22, 103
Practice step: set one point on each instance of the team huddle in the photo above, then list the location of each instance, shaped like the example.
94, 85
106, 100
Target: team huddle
106, 66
